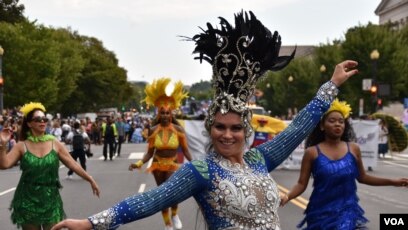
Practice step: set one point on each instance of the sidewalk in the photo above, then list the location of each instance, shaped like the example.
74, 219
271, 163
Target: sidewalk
403, 154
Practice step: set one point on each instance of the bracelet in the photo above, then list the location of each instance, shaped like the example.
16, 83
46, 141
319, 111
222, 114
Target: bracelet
139, 163
327, 92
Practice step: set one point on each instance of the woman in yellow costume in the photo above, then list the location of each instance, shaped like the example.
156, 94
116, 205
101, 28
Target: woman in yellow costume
164, 139
37, 203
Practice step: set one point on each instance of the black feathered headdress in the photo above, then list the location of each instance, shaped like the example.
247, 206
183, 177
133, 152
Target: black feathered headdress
239, 56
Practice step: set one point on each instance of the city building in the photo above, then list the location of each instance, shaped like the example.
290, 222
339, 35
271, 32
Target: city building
394, 12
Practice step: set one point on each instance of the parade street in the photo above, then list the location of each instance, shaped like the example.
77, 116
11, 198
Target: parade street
117, 182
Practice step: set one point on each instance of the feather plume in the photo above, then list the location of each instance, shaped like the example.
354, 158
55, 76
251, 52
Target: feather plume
156, 94
27, 108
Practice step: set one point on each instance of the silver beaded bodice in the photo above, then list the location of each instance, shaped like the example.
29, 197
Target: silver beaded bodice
243, 197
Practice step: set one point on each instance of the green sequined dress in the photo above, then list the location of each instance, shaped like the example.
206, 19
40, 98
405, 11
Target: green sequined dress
37, 199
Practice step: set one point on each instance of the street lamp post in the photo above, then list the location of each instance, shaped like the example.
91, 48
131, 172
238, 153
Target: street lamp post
1, 80
322, 71
374, 56
290, 111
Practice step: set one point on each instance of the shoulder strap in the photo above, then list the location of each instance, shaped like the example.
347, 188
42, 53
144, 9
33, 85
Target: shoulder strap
25, 147
318, 149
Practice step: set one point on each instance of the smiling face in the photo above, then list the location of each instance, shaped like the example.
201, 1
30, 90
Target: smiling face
228, 136
333, 125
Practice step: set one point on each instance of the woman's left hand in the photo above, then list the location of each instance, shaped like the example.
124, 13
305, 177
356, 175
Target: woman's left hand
402, 182
95, 188
73, 224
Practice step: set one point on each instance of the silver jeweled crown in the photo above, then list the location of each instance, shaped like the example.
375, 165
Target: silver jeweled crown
239, 56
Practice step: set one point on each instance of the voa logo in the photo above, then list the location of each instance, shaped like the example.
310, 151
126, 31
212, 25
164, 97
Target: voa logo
394, 221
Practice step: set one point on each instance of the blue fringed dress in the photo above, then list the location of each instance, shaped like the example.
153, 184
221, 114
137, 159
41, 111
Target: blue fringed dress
334, 202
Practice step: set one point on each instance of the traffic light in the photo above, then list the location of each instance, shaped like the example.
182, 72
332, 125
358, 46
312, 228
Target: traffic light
379, 103
1, 81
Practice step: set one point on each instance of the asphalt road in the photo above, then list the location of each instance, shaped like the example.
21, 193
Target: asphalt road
116, 183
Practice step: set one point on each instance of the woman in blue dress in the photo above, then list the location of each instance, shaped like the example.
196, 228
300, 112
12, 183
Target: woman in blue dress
335, 163
232, 186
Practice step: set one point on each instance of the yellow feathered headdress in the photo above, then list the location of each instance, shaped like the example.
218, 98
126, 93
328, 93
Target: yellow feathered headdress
156, 94
27, 108
341, 107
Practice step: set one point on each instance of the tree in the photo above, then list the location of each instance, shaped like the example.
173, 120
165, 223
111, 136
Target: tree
31, 64
282, 92
11, 11
201, 90
360, 42
101, 82
67, 72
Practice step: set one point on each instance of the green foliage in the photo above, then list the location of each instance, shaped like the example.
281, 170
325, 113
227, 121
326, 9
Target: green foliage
30, 65
69, 73
11, 11
201, 90
360, 42
397, 137
101, 82
281, 94
137, 96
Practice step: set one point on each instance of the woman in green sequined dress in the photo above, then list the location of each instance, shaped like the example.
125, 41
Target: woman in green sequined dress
37, 203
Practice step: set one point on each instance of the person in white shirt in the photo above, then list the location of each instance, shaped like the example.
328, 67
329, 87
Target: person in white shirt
78, 138
383, 139
56, 130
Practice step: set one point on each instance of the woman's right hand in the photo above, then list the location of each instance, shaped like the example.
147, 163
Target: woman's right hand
136, 165
284, 199
343, 71
73, 224
132, 166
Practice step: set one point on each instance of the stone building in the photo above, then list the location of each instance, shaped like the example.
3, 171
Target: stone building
393, 11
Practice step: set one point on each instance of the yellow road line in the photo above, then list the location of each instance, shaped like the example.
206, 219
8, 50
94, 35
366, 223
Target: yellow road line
298, 201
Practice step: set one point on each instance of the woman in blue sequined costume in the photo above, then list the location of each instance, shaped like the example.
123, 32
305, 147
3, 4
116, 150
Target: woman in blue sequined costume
232, 187
335, 164
37, 204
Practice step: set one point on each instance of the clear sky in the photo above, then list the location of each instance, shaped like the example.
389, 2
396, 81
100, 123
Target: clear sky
144, 33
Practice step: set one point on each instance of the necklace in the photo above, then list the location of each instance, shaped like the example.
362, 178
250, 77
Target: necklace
41, 138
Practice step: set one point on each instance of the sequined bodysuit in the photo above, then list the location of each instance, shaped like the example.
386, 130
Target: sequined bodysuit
230, 196
37, 199
334, 202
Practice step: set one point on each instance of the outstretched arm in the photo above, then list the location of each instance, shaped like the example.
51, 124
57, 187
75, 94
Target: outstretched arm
280, 147
68, 161
184, 183
372, 180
